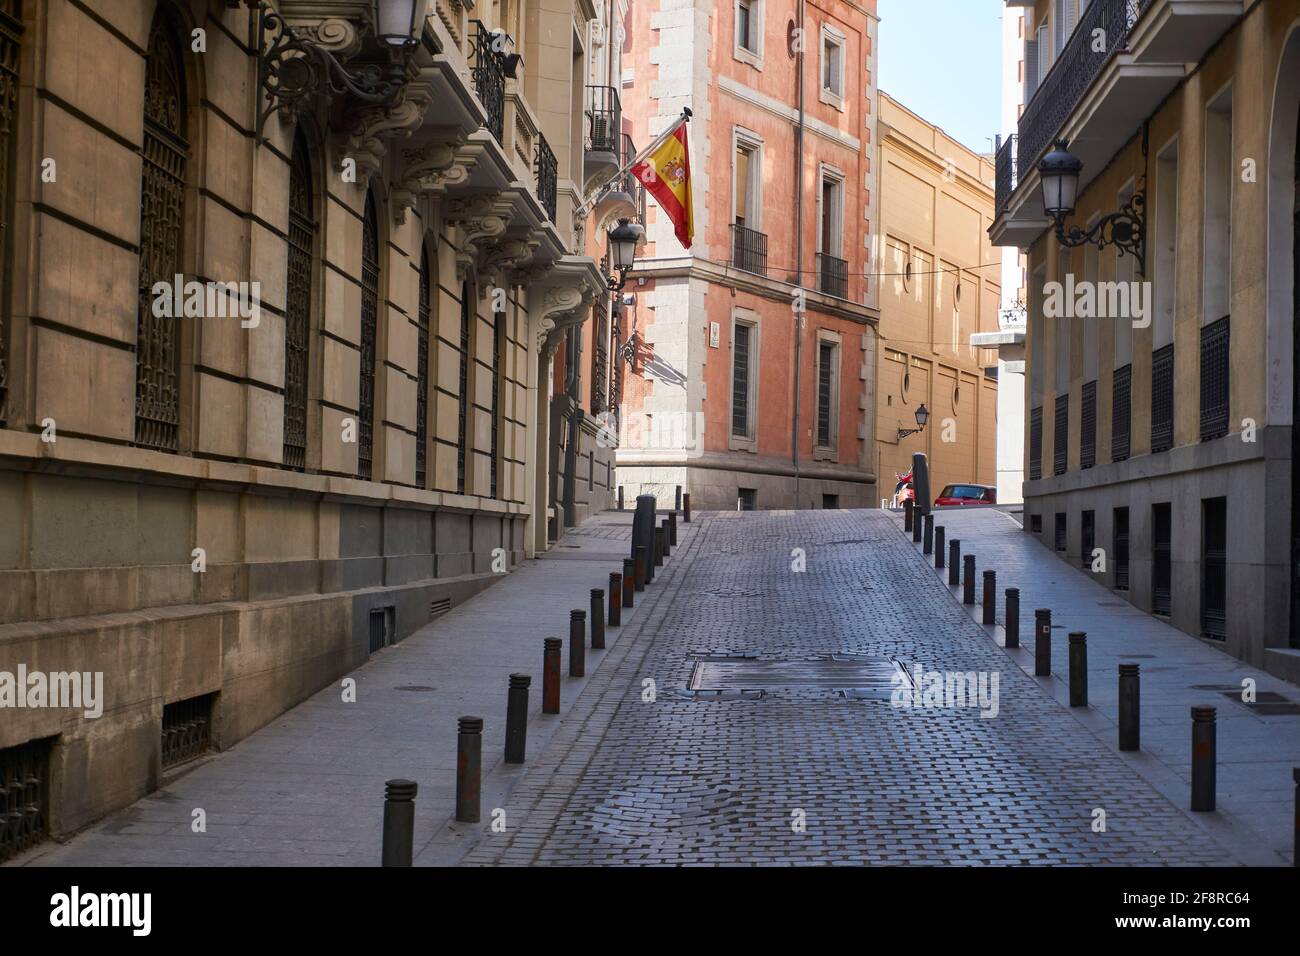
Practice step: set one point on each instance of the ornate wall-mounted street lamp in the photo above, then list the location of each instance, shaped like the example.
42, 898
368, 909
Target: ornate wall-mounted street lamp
293, 68
922, 416
1126, 230
623, 240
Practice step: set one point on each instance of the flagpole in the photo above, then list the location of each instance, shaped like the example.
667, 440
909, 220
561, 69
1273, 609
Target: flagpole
599, 192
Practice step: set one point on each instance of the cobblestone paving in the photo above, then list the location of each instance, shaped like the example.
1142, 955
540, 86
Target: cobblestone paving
686, 780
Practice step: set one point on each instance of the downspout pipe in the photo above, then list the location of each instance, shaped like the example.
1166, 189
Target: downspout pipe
798, 233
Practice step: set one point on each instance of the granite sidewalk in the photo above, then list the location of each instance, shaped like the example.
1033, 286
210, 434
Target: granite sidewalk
307, 789
1256, 751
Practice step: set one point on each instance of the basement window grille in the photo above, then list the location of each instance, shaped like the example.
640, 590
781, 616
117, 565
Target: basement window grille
1161, 554
186, 729
1214, 569
1087, 538
383, 621
24, 796
1060, 531
1121, 549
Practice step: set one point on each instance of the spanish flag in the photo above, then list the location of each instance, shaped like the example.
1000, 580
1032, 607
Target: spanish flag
666, 173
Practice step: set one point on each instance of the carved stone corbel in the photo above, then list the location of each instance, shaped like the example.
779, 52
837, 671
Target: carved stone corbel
562, 307
427, 169
481, 218
372, 127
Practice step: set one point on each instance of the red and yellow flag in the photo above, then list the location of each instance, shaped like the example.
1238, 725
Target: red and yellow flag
666, 173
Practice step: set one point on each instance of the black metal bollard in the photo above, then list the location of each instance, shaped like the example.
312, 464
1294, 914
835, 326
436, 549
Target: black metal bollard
968, 580
517, 718
597, 619
577, 643
551, 675
1011, 627
939, 546
1130, 707
990, 596
917, 521
1042, 642
642, 560
615, 599
469, 768
1204, 744
659, 547
908, 508
620, 497
927, 534
629, 583
954, 562
1078, 669
399, 822
672, 528
677, 503
668, 544
686, 508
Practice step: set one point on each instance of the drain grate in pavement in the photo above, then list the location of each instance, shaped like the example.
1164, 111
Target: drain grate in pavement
1267, 703
416, 688
871, 678
686, 693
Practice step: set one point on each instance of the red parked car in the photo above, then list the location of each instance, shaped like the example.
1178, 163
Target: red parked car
967, 495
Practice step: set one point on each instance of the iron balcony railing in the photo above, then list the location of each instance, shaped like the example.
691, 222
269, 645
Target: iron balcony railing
1162, 399
1121, 413
748, 249
547, 176
1007, 173
631, 185
833, 275
1214, 380
1088, 426
490, 78
604, 119
1036, 443
1073, 73
1016, 317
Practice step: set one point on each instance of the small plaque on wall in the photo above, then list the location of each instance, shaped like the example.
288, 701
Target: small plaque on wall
715, 335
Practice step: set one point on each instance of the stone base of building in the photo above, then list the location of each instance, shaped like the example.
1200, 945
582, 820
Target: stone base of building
717, 485
209, 610
1251, 479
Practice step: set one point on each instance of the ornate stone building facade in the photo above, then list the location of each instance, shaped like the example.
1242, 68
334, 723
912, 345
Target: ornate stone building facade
1161, 385
275, 390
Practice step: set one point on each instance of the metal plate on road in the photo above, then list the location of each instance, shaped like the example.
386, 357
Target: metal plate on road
876, 675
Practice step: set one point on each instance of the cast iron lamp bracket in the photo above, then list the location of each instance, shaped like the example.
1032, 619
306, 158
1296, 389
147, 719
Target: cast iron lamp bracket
1125, 230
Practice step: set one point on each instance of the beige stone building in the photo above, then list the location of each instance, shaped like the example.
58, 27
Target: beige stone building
941, 284
1162, 431
343, 418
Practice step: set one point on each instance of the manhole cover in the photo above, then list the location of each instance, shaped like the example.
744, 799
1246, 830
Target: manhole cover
872, 677
1267, 703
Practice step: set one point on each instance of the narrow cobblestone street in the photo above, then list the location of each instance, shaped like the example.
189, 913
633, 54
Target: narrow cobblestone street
715, 780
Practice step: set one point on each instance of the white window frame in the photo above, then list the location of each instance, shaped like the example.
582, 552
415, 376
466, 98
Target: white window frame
756, 19
752, 143
749, 441
828, 452
837, 39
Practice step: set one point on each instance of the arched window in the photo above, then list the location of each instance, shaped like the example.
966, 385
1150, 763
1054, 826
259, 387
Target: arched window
461, 450
297, 318
422, 370
369, 333
10, 30
162, 220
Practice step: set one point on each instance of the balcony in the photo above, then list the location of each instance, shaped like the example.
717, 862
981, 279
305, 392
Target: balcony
625, 198
1097, 99
488, 70
604, 134
547, 171
832, 275
749, 249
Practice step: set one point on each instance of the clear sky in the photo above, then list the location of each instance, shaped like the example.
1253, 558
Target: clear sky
942, 60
